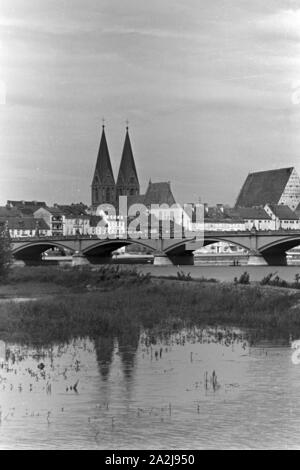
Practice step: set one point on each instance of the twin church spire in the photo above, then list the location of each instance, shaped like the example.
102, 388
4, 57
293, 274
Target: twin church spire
104, 188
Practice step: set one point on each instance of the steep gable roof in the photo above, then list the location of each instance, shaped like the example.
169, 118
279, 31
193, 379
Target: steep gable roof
103, 170
127, 172
263, 187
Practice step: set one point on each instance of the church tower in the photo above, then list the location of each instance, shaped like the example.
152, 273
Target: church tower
127, 182
103, 185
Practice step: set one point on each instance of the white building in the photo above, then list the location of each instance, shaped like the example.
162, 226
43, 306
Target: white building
53, 217
20, 227
283, 217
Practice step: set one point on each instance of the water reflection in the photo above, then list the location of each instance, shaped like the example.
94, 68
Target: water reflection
104, 347
194, 388
128, 346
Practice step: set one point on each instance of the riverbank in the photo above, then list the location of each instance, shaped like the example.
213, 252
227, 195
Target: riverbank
114, 301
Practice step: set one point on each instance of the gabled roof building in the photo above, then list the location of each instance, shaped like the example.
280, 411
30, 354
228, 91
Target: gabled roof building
281, 186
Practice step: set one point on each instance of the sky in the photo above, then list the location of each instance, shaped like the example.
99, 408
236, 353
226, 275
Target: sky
211, 89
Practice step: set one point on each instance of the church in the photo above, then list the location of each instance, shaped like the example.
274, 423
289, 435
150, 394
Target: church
105, 190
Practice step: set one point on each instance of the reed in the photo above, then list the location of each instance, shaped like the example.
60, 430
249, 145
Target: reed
126, 308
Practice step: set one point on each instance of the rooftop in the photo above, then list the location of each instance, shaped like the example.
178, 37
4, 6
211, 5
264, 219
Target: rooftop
25, 223
263, 187
283, 212
159, 193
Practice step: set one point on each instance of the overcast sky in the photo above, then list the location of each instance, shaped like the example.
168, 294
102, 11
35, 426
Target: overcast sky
210, 88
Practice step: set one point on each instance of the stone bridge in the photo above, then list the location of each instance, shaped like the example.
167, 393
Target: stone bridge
265, 247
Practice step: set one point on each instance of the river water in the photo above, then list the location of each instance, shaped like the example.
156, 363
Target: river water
224, 273
194, 389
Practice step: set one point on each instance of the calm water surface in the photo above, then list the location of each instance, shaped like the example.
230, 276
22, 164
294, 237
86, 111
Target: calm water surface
224, 273
146, 392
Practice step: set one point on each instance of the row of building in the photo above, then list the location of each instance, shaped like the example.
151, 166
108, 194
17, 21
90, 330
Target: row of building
268, 200
32, 219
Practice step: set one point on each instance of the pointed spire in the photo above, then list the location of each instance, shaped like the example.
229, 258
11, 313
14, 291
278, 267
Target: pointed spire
103, 184
127, 173
103, 166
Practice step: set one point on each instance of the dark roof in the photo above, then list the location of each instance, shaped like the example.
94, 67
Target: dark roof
283, 212
136, 199
252, 213
225, 220
54, 210
21, 204
73, 210
263, 187
25, 223
127, 175
159, 193
94, 220
7, 211
103, 170
297, 210
221, 213
26, 208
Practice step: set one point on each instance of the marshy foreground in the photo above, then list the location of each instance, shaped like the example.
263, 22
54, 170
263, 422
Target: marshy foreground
116, 359
72, 303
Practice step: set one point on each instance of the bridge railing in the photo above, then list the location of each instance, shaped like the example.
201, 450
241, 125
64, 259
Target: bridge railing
207, 233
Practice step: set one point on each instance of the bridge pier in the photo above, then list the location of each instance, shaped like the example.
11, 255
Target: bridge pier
161, 259
18, 263
184, 259
256, 259
105, 259
79, 259
276, 259
29, 260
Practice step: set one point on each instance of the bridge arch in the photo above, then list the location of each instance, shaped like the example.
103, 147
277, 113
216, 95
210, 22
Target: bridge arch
283, 244
275, 252
34, 249
106, 247
179, 248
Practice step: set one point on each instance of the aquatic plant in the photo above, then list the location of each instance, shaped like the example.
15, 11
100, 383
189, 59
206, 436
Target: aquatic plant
168, 305
81, 277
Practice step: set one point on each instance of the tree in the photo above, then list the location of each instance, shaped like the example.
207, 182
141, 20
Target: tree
5, 251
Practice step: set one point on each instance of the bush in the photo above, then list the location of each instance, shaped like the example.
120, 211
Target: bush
272, 279
244, 279
181, 276
5, 255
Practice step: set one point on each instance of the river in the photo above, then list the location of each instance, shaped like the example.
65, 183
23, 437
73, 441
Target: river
194, 389
224, 273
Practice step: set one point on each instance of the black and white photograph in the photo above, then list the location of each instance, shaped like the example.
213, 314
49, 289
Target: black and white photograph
149, 227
